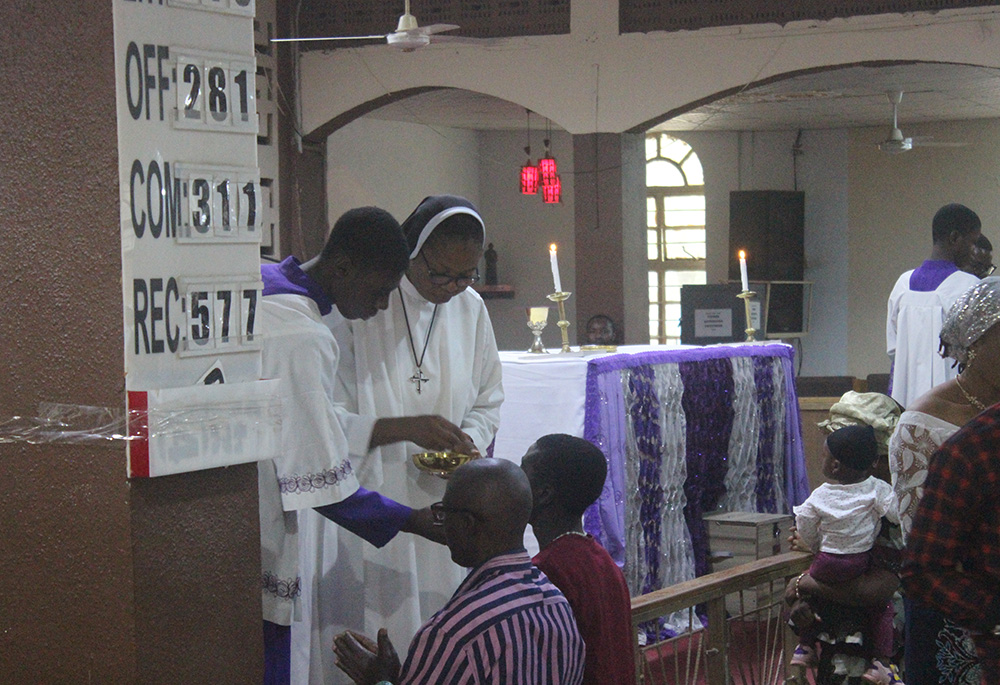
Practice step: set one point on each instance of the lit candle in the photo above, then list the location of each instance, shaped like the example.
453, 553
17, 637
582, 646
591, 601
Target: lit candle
743, 271
555, 268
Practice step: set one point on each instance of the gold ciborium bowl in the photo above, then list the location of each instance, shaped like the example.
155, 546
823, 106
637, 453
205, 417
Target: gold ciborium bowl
441, 464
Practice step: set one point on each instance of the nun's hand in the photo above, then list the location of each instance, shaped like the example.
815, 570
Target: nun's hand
431, 432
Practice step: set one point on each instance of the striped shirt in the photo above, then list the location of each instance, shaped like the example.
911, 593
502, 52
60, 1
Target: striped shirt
506, 624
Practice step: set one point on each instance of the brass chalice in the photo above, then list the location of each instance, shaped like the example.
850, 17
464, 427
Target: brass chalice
538, 317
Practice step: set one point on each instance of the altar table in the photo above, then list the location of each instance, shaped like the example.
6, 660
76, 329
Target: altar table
687, 431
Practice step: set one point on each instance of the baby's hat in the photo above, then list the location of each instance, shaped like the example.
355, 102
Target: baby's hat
853, 446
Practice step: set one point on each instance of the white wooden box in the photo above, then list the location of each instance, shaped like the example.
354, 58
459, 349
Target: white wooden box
740, 537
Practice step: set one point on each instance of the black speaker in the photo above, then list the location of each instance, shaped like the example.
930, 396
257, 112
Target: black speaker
770, 226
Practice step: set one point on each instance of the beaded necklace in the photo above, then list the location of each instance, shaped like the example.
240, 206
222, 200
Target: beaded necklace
973, 400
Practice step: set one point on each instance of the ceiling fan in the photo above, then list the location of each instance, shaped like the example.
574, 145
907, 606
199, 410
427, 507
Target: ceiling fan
407, 37
896, 142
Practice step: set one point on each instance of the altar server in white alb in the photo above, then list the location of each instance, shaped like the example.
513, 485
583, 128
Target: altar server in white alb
921, 299
432, 351
358, 270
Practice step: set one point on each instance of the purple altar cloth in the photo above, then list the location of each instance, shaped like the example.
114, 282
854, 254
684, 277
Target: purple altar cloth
629, 381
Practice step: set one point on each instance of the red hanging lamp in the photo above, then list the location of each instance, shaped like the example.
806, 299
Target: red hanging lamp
529, 178
547, 170
552, 192
529, 172
547, 164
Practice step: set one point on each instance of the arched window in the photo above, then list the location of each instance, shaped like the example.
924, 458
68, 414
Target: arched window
675, 231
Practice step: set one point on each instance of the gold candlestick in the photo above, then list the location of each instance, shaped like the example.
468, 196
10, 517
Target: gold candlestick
746, 296
560, 298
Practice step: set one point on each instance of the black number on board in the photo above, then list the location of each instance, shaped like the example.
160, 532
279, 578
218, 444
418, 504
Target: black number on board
226, 297
192, 76
250, 190
199, 314
201, 218
223, 190
244, 103
218, 105
251, 296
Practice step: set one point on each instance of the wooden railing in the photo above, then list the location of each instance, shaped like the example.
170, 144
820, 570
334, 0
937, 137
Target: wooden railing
725, 627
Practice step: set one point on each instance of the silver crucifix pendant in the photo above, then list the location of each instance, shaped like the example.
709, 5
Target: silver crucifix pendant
419, 378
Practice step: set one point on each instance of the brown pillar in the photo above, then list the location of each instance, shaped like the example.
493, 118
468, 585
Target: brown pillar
106, 581
609, 192
302, 161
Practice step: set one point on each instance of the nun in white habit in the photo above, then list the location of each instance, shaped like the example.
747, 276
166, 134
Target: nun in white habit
432, 352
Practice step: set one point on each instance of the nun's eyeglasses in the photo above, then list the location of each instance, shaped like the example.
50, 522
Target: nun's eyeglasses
462, 281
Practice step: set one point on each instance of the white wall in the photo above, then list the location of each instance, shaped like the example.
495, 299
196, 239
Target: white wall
823, 169
867, 214
395, 165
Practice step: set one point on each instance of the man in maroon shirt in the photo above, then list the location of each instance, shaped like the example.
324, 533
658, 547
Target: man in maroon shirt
952, 558
567, 475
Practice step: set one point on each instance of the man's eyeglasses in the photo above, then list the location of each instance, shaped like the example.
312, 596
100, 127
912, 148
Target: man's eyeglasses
444, 279
439, 510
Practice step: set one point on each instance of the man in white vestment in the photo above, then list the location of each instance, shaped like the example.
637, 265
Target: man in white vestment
358, 270
920, 300
431, 352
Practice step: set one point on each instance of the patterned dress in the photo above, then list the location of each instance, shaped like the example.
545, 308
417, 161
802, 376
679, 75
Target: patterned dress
936, 650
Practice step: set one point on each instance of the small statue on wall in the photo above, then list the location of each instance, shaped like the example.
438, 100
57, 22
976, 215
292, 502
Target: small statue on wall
490, 256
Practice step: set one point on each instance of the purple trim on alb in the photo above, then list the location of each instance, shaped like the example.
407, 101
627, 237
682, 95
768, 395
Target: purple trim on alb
369, 515
929, 275
287, 278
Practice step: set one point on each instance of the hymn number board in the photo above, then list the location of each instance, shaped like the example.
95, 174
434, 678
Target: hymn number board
192, 206
191, 217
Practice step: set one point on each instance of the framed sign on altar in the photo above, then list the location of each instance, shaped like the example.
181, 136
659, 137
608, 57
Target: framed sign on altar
712, 314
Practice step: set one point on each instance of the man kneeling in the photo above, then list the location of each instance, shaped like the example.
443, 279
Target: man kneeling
506, 623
